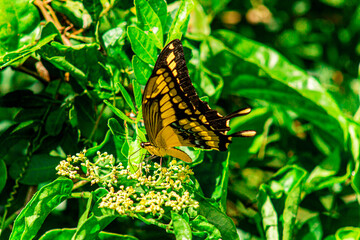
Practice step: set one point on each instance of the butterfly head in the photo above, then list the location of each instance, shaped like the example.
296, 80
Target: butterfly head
153, 150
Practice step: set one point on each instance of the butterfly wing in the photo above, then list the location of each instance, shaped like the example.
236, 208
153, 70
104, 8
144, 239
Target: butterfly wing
173, 113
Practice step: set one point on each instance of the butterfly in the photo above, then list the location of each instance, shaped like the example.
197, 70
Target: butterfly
175, 116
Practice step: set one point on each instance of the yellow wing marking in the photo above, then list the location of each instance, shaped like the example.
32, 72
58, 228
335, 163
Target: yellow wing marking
171, 85
165, 90
177, 99
207, 138
199, 128
172, 65
202, 118
182, 105
207, 133
183, 121
168, 113
170, 57
164, 99
168, 120
211, 143
188, 112
190, 125
162, 86
160, 71
159, 79
166, 106
173, 92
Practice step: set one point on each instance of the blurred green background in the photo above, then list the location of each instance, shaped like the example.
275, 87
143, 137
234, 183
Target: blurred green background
321, 37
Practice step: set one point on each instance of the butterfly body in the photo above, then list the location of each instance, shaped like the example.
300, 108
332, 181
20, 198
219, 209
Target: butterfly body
175, 116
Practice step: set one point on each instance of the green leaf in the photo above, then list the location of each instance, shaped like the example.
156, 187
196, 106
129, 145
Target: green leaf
85, 214
217, 218
321, 176
211, 83
200, 26
23, 53
311, 229
41, 169
354, 133
181, 226
74, 11
30, 219
220, 192
85, 114
142, 45
214, 6
114, 236
115, 127
288, 82
92, 151
28, 114
25, 99
55, 121
3, 175
142, 70
356, 179
180, 20
50, 29
58, 234
94, 8
279, 202
94, 218
206, 230
160, 8
127, 97
67, 233
18, 19
14, 134
352, 233
118, 112
119, 135
149, 21
292, 203
268, 214
137, 93
115, 37
91, 228
83, 61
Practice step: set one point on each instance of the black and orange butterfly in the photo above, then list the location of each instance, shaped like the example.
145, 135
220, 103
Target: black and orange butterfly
175, 116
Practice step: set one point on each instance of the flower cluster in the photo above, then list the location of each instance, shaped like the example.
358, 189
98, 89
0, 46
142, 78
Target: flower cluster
142, 188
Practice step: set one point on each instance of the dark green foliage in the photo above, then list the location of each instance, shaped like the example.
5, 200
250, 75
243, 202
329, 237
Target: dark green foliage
71, 77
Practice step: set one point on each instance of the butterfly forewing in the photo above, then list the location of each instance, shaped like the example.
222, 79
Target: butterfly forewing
173, 113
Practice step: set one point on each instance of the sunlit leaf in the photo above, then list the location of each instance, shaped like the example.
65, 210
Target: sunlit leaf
180, 20
149, 21
30, 219
142, 45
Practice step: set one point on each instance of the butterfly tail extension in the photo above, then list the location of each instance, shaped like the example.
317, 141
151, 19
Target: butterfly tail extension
223, 122
238, 113
245, 133
173, 152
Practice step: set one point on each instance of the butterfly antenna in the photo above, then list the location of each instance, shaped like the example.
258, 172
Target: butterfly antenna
126, 137
132, 167
134, 153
